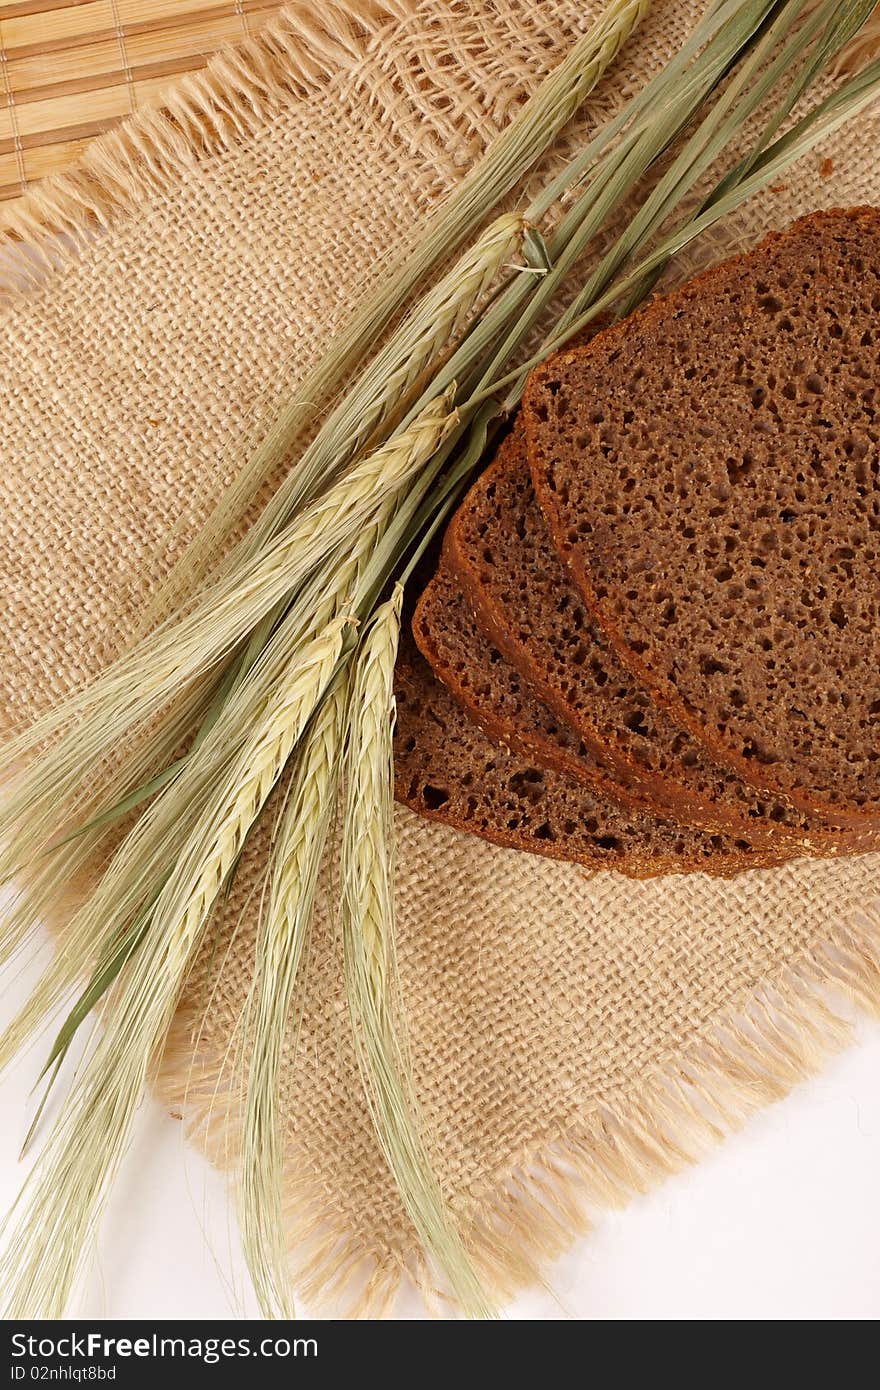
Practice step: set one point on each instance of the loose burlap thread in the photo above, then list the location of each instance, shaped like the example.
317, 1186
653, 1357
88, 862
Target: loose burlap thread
574, 1038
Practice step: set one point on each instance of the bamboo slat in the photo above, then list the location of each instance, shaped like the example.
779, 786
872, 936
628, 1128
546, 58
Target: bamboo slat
70, 69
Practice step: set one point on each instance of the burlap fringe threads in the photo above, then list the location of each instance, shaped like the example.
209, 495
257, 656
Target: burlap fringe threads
517, 1223
202, 116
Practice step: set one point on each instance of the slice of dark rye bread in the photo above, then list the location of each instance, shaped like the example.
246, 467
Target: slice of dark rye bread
711, 473
447, 769
498, 698
499, 548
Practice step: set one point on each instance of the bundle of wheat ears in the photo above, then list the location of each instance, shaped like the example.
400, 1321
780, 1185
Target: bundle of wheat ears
272, 668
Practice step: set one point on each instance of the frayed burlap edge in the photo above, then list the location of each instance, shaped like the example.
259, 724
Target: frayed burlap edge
203, 116
751, 1054
518, 1221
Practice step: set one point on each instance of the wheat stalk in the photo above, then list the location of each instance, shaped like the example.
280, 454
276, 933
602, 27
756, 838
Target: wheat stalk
857, 95
281, 944
657, 116
368, 946
862, 50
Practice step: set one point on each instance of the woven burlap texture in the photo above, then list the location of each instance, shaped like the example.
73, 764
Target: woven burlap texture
574, 1038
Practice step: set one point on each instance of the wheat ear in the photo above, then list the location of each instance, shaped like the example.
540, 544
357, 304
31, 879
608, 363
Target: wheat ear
141, 862
138, 686
206, 862
281, 944
374, 398
366, 871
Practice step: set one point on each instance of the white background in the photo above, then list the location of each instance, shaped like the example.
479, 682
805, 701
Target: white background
781, 1222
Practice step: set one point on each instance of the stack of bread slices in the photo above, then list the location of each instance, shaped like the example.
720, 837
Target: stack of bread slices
652, 642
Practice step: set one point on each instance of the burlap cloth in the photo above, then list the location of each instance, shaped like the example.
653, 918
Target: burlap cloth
574, 1038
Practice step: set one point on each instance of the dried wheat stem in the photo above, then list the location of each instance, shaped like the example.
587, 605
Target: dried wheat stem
863, 49
369, 958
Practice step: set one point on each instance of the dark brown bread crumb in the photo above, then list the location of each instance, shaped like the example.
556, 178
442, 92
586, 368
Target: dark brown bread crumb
711, 473
500, 549
447, 769
496, 696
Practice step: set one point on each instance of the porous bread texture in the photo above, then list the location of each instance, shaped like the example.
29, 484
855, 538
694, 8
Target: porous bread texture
493, 693
447, 769
710, 470
499, 548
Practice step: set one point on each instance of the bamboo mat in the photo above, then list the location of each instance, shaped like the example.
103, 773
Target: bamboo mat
70, 69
